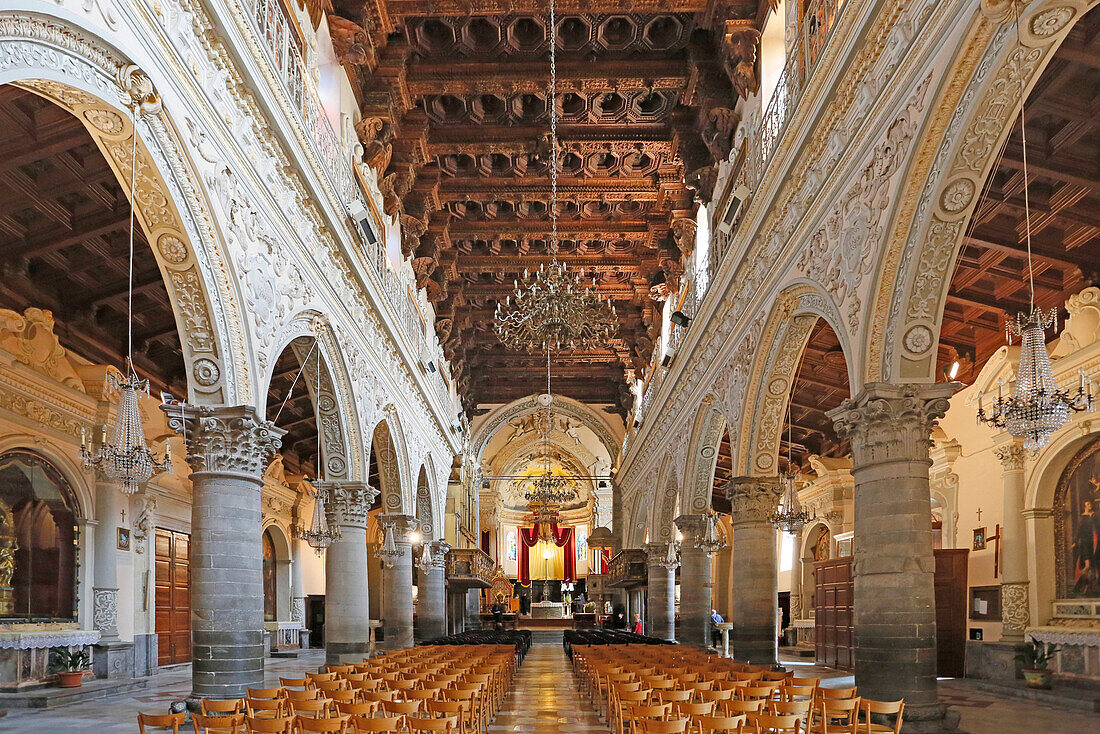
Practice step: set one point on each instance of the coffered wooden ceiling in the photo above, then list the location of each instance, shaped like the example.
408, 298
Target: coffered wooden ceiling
454, 98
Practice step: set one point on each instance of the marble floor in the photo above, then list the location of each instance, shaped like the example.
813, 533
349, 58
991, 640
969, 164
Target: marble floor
545, 700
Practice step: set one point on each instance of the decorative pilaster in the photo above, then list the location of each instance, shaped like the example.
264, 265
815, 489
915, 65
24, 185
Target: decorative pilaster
228, 449
1015, 613
347, 597
756, 572
662, 560
431, 596
696, 584
893, 566
108, 511
397, 609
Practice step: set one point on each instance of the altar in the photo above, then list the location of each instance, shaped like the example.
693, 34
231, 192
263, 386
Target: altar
548, 610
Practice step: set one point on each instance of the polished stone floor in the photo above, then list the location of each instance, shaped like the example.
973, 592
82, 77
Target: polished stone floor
545, 700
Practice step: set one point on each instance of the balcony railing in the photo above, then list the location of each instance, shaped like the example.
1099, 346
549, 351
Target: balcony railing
627, 569
469, 568
279, 38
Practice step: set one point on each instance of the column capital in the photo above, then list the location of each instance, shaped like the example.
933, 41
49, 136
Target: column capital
402, 525
1012, 455
752, 499
439, 551
347, 503
657, 554
888, 423
692, 526
229, 439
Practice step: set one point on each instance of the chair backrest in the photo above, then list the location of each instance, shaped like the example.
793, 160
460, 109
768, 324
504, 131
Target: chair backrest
755, 692
668, 726
884, 708
318, 708
377, 695
739, 706
838, 692
309, 725
280, 725
421, 694
720, 724
794, 681
382, 725
794, 693
798, 708
296, 682
401, 708
218, 724
357, 708
344, 696
840, 708
693, 709
736, 675
777, 724
647, 711
777, 676
340, 669
333, 685
320, 676
268, 693
718, 695
446, 723
210, 706
161, 721
366, 684
265, 708
307, 694
447, 708
673, 695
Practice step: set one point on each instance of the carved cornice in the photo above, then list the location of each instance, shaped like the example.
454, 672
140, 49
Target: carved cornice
752, 499
347, 503
891, 423
228, 439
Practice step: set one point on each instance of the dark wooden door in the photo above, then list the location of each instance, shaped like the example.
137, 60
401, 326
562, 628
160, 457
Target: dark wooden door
173, 596
833, 591
951, 567
316, 610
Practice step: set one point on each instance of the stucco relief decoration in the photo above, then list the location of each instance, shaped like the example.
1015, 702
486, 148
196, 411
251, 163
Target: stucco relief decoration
388, 467
144, 521
347, 503
424, 511
752, 501
319, 379
105, 609
225, 439
31, 339
768, 424
1015, 613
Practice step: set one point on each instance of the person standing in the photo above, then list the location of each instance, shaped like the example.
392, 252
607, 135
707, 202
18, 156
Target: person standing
637, 628
715, 633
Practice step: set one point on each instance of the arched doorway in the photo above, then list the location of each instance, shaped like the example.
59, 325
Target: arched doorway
271, 578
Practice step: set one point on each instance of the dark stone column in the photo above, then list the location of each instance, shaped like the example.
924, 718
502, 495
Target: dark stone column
431, 595
893, 565
228, 449
347, 597
695, 580
755, 568
397, 611
661, 591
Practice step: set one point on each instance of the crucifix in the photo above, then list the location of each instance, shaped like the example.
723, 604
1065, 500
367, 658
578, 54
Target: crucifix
979, 514
996, 551
123, 516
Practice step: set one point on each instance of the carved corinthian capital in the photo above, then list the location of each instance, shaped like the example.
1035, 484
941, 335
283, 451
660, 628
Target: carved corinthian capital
1012, 456
887, 423
225, 439
347, 503
752, 499
402, 525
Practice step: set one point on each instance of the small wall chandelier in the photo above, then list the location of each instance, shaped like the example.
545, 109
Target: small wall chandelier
711, 542
789, 516
1037, 408
672, 558
127, 458
320, 535
552, 309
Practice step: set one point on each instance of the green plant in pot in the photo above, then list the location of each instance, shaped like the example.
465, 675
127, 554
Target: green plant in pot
69, 666
1034, 657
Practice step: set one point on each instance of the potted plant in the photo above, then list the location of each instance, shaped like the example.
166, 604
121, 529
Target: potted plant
1034, 658
69, 666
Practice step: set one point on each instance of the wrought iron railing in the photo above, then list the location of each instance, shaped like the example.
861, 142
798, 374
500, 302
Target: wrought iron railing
280, 39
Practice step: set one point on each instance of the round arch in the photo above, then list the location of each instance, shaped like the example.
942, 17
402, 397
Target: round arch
702, 460
662, 515
81, 73
387, 448
979, 101
65, 463
425, 506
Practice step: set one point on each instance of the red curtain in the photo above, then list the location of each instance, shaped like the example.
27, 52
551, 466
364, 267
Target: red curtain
527, 539
605, 559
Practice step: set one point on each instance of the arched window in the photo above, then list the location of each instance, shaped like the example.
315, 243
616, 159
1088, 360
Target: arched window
271, 588
511, 543
582, 542
37, 539
702, 253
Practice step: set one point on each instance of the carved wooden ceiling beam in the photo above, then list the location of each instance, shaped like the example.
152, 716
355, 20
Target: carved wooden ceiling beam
533, 77
462, 8
508, 139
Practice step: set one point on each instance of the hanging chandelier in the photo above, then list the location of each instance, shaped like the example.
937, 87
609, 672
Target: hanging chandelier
320, 535
550, 489
552, 309
126, 459
710, 543
389, 551
789, 516
1037, 408
672, 557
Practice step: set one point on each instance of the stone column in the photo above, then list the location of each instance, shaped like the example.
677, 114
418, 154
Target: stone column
695, 581
661, 601
397, 612
108, 512
756, 573
893, 565
473, 609
1015, 615
228, 449
297, 588
431, 597
347, 600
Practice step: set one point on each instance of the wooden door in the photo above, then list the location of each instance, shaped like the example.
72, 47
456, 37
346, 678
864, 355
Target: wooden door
951, 565
833, 633
173, 596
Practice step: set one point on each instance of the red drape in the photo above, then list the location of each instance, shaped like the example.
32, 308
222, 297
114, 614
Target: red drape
605, 559
563, 538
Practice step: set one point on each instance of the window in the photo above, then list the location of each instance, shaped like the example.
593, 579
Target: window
786, 552
702, 253
271, 588
37, 539
511, 542
582, 542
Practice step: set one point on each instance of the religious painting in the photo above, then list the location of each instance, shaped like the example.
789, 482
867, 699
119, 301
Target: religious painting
123, 540
1077, 525
822, 546
979, 538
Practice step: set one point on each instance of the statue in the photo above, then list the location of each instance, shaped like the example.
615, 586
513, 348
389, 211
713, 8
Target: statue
8, 546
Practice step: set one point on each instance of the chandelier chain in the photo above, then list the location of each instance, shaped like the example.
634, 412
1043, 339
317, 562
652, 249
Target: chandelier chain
553, 102
1027, 200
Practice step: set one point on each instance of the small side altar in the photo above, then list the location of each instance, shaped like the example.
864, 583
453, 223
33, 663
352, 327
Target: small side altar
25, 649
548, 610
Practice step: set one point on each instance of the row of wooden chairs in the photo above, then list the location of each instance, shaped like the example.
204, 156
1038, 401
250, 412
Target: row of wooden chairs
435, 688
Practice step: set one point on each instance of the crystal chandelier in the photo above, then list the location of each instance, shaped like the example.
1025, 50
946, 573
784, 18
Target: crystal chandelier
552, 309
320, 535
127, 458
1037, 408
550, 489
711, 542
672, 558
789, 516
389, 551
426, 562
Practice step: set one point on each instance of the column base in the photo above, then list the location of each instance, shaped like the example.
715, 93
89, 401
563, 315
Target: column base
345, 653
113, 660
930, 718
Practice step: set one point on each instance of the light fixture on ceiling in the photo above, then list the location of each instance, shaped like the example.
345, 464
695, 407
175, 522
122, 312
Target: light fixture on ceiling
126, 457
1037, 407
553, 309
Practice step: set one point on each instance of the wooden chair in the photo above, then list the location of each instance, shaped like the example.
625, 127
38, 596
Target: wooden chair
338, 669
773, 724
379, 696
836, 715
265, 708
295, 683
738, 706
314, 677
306, 694
265, 693
794, 681
281, 725
418, 724
320, 708
668, 726
212, 706
383, 725
720, 724
797, 693
309, 725
161, 721
881, 708
628, 698
797, 708
673, 696
468, 699
223, 724
351, 696
718, 695
735, 675
453, 709
777, 676
836, 693
337, 684
401, 708
635, 715
692, 710
753, 693
357, 708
